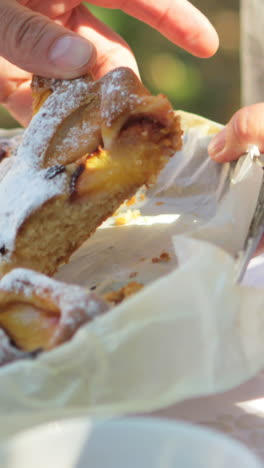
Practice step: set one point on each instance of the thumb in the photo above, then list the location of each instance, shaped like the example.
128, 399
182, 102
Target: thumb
246, 127
34, 43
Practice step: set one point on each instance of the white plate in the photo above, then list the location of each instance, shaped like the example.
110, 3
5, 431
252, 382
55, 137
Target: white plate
124, 443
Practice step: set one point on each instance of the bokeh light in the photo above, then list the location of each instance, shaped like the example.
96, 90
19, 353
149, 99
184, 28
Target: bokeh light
177, 78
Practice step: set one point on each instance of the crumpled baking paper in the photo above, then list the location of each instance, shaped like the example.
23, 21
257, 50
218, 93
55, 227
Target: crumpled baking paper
190, 331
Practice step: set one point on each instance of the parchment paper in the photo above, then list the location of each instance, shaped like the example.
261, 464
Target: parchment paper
189, 331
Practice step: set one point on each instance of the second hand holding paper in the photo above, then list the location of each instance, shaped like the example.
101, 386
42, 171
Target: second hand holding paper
256, 228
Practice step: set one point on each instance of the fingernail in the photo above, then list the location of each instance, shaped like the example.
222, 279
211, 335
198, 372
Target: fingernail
217, 144
69, 53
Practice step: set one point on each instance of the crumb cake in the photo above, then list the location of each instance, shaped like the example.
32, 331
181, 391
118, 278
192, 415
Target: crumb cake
38, 313
89, 147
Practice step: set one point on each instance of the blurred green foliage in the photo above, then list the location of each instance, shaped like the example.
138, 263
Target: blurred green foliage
208, 87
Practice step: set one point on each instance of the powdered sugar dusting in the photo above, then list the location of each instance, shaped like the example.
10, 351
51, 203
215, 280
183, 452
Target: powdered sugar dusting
76, 305
117, 91
61, 103
23, 186
22, 190
6, 165
72, 139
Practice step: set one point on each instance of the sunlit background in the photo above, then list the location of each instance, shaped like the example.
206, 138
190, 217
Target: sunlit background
207, 87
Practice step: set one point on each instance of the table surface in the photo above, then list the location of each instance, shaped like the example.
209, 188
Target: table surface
238, 413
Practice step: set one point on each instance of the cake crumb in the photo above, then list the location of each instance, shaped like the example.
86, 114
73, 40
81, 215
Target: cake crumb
133, 274
131, 201
120, 221
155, 260
116, 297
158, 203
126, 217
164, 257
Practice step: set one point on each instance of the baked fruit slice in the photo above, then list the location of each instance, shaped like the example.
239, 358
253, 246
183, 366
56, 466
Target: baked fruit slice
89, 147
39, 313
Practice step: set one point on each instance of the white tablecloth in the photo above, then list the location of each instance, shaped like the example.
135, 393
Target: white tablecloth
240, 412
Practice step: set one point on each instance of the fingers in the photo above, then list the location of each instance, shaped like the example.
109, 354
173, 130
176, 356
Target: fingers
112, 50
39, 45
246, 127
44, 47
51, 8
178, 20
19, 104
10, 77
15, 93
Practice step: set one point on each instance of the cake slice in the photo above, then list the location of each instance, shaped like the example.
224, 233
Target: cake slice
89, 147
38, 313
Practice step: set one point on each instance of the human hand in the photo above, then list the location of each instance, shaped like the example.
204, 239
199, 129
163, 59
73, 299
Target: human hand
33, 38
246, 127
